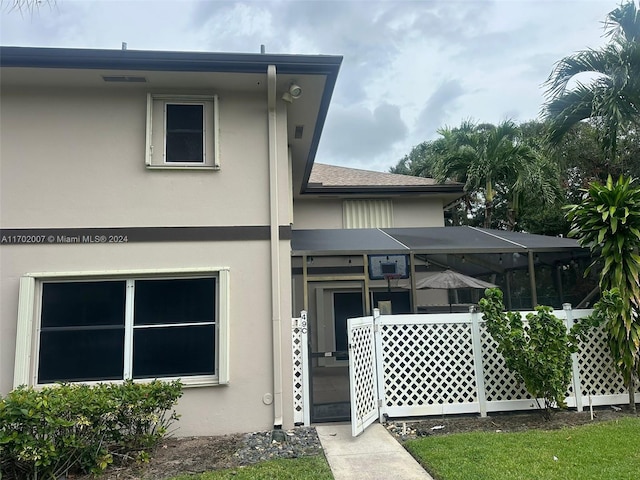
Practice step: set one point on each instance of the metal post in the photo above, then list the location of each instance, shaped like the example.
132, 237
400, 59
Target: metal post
367, 294
532, 281
507, 282
305, 285
414, 300
559, 280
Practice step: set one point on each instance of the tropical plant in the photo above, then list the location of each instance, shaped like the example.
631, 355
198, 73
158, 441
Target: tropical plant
607, 312
538, 352
602, 85
607, 220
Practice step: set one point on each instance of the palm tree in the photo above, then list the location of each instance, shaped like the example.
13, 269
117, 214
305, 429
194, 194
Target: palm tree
491, 160
610, 95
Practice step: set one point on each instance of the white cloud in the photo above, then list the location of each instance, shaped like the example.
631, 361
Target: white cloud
358, 133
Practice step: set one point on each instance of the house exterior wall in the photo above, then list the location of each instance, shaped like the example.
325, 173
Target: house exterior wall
418, 212
317, 213
311, 213
75, 159
83, 153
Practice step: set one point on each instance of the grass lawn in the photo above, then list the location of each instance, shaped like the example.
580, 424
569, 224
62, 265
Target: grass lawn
608, 450
286, 469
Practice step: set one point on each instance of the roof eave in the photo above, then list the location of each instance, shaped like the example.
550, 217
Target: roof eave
28, 57
386, 189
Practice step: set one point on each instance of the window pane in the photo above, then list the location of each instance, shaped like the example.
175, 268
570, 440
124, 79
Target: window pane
173, 351
184, 117
83, 304
185, 133
174, 301
81, 355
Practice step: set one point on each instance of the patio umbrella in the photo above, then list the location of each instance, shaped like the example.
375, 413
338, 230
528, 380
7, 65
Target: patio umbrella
449, 279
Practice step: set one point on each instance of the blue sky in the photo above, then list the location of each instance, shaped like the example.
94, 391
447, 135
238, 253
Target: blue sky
409, 66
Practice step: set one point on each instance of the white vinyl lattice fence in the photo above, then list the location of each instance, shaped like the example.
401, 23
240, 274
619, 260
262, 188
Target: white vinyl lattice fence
447, 364
439, 364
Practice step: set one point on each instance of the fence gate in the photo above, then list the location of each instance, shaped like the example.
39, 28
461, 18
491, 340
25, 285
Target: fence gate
362, 373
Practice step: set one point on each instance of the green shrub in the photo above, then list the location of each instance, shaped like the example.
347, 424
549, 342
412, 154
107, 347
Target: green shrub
538, 353
71, 428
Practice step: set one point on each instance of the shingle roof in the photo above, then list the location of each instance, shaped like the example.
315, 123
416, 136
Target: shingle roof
332, 176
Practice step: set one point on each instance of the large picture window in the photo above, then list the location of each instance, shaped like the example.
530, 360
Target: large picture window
111, 329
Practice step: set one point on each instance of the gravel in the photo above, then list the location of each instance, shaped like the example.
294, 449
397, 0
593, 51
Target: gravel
260, 446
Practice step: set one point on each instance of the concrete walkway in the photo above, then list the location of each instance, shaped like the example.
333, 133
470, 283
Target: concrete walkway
374, 455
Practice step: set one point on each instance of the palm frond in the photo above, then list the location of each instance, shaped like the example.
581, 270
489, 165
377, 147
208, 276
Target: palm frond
565, 111
596, 62
623, 23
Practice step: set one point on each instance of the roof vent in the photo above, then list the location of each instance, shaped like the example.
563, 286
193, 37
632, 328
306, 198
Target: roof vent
124, 79
298, 132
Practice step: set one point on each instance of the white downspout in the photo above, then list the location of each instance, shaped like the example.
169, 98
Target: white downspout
275, 248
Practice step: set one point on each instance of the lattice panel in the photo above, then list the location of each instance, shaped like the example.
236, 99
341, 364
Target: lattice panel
428, 364
499, 382
597, 373
298, 384
362, 363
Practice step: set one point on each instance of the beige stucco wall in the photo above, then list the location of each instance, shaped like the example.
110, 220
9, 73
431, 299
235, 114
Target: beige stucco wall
317, 213
310, 213
75, 158
418, 212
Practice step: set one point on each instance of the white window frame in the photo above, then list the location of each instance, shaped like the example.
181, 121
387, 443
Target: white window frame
29, 315
155, 156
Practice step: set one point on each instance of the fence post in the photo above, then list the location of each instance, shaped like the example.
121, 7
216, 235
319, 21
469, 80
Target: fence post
377, 332
476, 342
304, 340
575, 367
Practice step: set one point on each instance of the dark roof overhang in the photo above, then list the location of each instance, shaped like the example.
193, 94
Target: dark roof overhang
385, 189
29, 57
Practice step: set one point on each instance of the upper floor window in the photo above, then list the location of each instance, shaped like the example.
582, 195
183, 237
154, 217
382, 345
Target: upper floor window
182, 131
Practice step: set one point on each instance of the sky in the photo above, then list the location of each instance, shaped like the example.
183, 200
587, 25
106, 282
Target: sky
410, 67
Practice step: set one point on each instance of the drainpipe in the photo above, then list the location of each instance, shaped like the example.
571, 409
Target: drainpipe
275, 249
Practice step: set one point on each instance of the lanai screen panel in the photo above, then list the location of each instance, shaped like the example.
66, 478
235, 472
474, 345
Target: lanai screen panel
534, 242
426, 240
475, 240
449, 240
344, 241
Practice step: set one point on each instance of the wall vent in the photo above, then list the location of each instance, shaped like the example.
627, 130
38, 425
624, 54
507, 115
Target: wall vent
124, 79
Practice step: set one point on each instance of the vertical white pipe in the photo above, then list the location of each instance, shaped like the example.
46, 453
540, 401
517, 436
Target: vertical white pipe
275, 247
